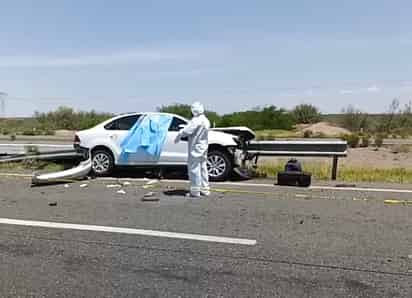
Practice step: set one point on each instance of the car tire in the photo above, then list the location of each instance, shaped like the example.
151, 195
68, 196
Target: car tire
102, 162
219, 165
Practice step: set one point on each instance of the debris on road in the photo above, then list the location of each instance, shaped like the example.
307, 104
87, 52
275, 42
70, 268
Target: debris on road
113, 186
148, 186
410, 257
126, 183
153, 181
77, 173
121, 192
52, 204
150, 197
84, 185
66, 186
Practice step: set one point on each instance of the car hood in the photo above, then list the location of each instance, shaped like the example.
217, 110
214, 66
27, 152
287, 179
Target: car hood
243, 132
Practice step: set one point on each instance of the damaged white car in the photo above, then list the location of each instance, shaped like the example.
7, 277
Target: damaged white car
103, 143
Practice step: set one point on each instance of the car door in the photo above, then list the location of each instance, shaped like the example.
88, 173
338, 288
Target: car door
173, 153
118, 129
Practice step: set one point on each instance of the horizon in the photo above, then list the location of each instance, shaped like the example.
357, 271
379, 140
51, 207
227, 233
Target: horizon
231, 56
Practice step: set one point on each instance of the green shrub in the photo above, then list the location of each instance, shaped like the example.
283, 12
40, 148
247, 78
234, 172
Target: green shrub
365, 141
379, 140
5, 131
306, 113
28, 133
307, 134
49, 132
352, 139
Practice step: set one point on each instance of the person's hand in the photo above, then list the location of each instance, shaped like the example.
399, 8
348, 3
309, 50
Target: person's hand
177, 139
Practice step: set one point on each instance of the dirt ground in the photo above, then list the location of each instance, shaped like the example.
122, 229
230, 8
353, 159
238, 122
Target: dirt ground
384, 158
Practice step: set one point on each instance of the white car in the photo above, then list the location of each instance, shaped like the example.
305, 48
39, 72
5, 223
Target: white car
103, 141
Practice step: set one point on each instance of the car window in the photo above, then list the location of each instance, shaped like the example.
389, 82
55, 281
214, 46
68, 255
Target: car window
174, 126
124, 123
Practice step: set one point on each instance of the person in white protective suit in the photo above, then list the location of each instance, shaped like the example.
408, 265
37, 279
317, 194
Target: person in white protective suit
197, 133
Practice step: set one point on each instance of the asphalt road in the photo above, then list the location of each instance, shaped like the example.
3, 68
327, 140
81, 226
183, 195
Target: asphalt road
309, 243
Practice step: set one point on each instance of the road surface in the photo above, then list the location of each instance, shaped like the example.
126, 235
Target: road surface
296, 242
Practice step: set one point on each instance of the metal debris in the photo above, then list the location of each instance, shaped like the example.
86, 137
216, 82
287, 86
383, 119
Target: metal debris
150, 197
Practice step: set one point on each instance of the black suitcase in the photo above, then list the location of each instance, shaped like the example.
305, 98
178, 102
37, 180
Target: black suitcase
294, 178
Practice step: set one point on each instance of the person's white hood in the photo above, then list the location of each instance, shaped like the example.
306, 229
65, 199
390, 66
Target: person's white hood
197, 109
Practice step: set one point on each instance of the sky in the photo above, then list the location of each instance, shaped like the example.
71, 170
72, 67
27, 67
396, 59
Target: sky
127, 56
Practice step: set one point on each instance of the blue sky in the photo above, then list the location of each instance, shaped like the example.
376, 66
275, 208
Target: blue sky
122, 56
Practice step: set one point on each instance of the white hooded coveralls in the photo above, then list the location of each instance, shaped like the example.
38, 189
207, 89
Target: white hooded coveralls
197, 133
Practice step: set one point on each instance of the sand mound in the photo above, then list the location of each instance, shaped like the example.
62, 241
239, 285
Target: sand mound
325, 128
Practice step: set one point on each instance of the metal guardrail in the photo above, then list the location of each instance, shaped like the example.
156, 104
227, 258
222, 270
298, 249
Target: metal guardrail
54, 156
334, 149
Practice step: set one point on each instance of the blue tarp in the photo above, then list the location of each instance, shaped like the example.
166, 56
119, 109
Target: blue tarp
146, 138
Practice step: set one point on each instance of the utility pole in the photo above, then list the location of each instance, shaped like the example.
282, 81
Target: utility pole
3, 96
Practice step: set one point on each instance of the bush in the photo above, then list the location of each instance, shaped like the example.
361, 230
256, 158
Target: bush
352, 139
365, 141
49, 132
307, 134
379, 140
354, 120
28, 133
67, 118
306, 113
5, 131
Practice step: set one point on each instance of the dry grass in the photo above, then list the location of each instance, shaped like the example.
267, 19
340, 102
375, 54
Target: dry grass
322, 171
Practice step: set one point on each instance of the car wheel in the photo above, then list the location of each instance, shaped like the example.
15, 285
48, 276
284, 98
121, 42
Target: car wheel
219, 165
102, 162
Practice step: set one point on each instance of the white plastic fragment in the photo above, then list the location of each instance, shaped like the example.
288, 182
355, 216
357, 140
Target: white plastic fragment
113, 186
153, 181
121, 192
126, 183
84, 185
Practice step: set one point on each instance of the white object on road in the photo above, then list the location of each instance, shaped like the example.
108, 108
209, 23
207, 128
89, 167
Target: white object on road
84, 185
153, 181
121, 192
76, 173
126, 183
152, 233
113, 186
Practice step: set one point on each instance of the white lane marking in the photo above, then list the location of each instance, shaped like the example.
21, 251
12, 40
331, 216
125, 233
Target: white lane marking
58, 225
36, 145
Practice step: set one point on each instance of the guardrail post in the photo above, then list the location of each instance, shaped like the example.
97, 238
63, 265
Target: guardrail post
335, 167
